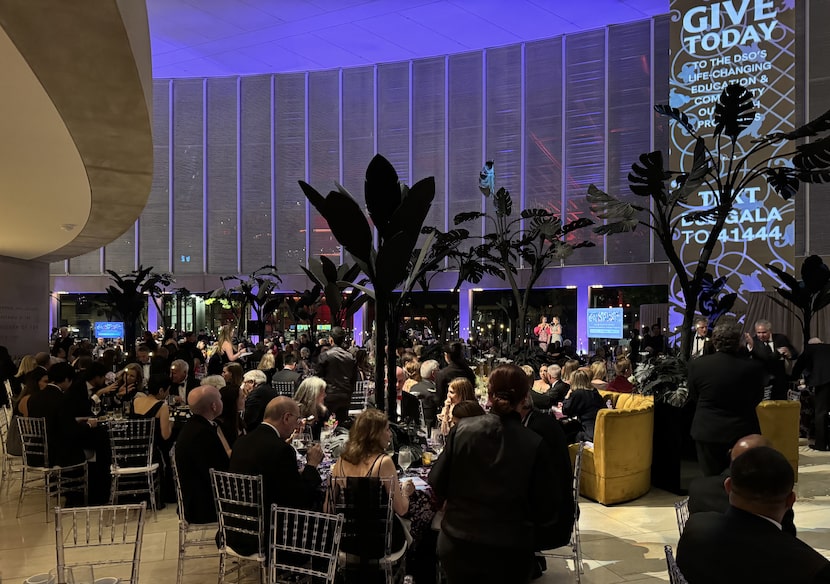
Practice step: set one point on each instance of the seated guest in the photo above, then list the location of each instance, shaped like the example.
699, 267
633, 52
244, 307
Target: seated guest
746, 543
310, 398
490, 470
181, 382
65, 437
558, 388
466, 409
288, 372
34, 381
364, 456
620, 383
598, 373
130, 382
199, 448
460, 389
424, 390
258, 393
709, 494
153, 404
568, 369
583, 401
233, 402
27, 364
265, 451
268, 365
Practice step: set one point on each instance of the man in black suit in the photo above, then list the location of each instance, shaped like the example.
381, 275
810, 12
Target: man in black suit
181, 383
709, 494
288, 373
86, 385
425, 391
746, 544
774, 351
726, 387
199, 448
339, 368
815, 361
259, 394
65, 437
701, 343
265, 451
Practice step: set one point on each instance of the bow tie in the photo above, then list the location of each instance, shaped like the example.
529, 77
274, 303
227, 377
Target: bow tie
701, 338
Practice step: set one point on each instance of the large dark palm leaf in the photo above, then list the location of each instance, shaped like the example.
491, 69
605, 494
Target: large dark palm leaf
734, 111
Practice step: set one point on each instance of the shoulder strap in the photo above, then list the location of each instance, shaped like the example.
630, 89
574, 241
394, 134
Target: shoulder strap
374, 462
151, 413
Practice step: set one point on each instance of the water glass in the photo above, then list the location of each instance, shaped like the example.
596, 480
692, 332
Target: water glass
405, 459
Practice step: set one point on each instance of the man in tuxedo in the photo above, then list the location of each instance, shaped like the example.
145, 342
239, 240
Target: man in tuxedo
747, 544
701, 344
259, 395
288, 372
339, 368
709, 494
200, 448
65, 437
815, 362
265, 451
85, 385
726, 387
424, 390
774, 351
180, 382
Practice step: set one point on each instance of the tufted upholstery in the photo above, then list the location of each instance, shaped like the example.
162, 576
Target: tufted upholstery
779, 421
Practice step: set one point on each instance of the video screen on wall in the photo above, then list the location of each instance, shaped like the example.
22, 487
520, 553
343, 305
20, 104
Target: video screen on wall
109, 330
605, 323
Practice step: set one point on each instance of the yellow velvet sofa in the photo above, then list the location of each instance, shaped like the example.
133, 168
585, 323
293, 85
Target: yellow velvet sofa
618, 466
780, 420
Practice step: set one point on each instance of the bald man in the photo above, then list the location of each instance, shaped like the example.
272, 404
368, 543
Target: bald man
709, 494
265, 451
200, 448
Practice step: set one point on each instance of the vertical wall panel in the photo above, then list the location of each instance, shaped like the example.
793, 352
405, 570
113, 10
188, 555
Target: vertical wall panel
324, 154
289, 167
188, 179
465, 161
154, 223
57, 268
393, 116
86, 264
818, 84
543, 125
119, 255
358, 127
629, 126
584, 132
504, 119
221, 175
660, 87
255, 172
428, 136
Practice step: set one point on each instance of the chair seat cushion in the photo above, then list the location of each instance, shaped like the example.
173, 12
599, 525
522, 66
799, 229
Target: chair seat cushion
128, 470
256, 557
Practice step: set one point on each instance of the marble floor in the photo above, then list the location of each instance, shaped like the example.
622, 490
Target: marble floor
623, 543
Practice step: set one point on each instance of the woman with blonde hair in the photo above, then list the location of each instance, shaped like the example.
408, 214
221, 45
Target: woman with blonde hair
598, 375
583, 401
268, 365
309, 397
568, 368
27, 363
460, 389
225, 342
412, 369
364, 456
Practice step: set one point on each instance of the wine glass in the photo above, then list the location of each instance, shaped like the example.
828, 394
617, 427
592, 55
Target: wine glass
95, 408
436, 441
405, 459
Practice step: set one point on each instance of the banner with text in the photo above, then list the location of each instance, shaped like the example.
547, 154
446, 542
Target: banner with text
713, 44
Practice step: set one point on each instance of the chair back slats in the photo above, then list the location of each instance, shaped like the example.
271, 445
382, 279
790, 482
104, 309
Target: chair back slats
304, 542
675, 575
239, 504
9, 393
681, 510
177, 483
360, 396
285, 388
33, 438
132, 442
118, 528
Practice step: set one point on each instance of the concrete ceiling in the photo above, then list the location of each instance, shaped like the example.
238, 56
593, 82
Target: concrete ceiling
208, 38
76, 159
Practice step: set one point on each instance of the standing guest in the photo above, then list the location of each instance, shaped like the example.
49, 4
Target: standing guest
456, 367
466, 409
583, 401
460, 389
776, 352
288, 372
491, 469
702, 344
189, 352
310, 396
258, 394
815, 361
424, 390
726, 387
339, 369
227, 351
364, 368
620, 383
200, 448
747, 544
543, 333
265, 451
304, 367
556, 331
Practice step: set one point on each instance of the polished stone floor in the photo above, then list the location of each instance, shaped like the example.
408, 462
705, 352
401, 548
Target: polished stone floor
623, 543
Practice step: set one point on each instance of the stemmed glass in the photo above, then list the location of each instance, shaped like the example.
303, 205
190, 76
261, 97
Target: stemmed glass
95, 408
405, 459
436, 441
